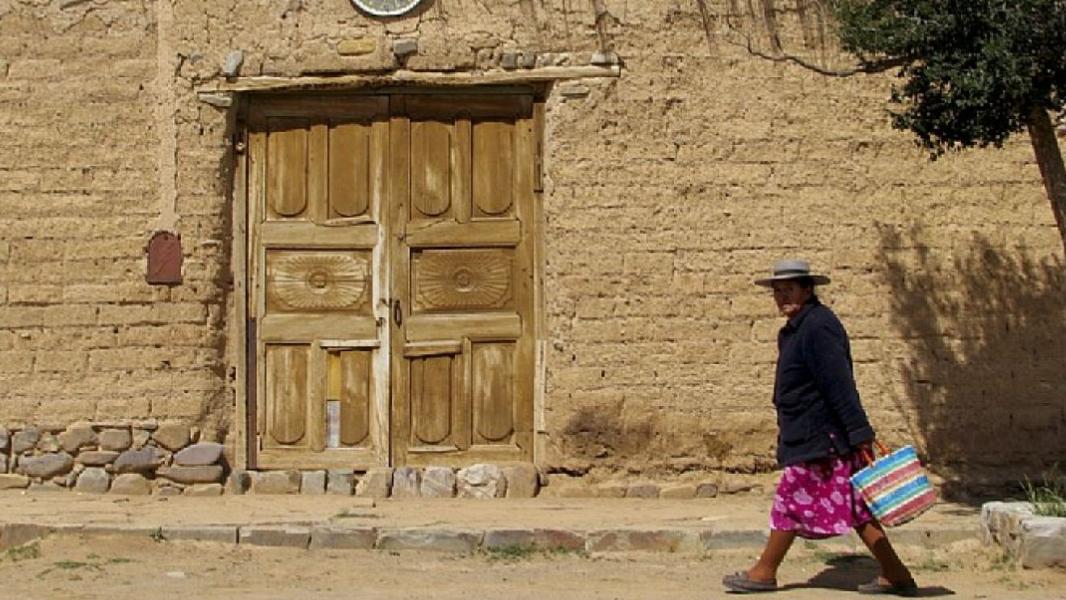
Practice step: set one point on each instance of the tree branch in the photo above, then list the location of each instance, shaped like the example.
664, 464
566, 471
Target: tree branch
879, 66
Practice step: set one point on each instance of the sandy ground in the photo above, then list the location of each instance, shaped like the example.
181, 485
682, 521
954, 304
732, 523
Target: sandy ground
725, 512
73, 567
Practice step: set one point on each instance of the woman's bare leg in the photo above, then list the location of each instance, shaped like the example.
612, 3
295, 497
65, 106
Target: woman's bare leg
893, 571
773, 554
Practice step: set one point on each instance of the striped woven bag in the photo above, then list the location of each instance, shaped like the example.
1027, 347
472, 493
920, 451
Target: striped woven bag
895, 486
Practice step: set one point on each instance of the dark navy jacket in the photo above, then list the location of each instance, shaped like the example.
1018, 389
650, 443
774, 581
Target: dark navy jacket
818, 409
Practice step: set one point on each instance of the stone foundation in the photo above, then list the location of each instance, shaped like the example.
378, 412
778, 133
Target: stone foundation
145, 457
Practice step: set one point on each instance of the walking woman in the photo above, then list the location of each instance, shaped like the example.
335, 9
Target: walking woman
823, 433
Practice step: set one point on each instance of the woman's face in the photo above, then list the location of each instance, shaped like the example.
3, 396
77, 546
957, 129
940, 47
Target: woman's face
790, 297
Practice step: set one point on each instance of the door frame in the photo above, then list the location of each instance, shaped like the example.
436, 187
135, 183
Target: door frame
244, 331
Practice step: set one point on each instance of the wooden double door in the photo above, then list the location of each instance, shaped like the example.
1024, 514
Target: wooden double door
390, 265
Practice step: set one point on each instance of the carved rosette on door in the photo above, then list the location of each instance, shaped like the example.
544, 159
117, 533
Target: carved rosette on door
391, 258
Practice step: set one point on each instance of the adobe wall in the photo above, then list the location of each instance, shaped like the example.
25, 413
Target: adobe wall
669, 189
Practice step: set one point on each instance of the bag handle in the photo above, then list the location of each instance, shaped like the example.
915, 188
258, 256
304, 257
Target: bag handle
869, 456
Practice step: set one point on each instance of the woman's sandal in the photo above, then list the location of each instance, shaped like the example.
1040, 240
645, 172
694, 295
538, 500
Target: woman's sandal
740, 583
907, 588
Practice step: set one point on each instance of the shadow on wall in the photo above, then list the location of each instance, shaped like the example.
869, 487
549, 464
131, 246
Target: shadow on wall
982, 373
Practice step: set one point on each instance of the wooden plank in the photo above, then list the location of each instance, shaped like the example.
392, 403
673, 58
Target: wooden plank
442, 82
493, 164
431, 168
256, 210
380, 382
434, 348
355, 397
323, 106
245, 366
318, 172
287, 171
464, 412
539, 119
349, 170
492, 392
473, 106
316, 409
308, 328
308, 235
525, 292
447, 234
398, 267
486, 327
366, 344
431, 410
462, 174
287, 395
359, 459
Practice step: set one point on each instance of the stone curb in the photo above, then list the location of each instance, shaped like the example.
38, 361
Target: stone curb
458, 540
1031, 541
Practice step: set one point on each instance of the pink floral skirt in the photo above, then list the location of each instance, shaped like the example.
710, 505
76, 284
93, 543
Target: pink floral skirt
816, 500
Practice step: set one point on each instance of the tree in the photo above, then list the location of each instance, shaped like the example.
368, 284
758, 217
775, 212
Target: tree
976, 72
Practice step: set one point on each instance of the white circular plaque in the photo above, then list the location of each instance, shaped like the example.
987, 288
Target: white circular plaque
386, 8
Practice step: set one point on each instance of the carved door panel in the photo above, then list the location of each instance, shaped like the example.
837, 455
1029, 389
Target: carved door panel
462, 279
317, 185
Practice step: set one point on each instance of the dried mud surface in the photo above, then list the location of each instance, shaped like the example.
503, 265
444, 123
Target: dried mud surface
72, 567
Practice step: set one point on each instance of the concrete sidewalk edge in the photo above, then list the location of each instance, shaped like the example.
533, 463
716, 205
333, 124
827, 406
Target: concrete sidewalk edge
330, 535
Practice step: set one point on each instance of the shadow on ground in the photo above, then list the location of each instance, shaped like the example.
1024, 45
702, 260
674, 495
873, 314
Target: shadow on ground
984, 334
846, 572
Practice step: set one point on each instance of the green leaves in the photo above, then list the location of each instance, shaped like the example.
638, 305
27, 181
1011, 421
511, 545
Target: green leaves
972, 68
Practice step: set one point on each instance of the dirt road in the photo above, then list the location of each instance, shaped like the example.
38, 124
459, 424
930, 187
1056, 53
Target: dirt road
72, 567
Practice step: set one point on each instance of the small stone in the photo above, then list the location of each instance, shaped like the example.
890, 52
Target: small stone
145, 460
430, 540
707, 490
559, 539
220, 534
405, 482
148, 425
5, 437
574, 90
313, 483
289, 536
115, 439
220, 100
522, 480
737, 487
140, 438
438, 482
528, 60
375, 483
481, 481
48, 443
172, 436
204, 490
131, 484
338, 538
12, 482
203, 453
340, 482
405, 47
202, 474
642, 490
232, 65
276, 482
195, 434
97, 458
357, 46
496, 539
47, 486
678, 492
238, 482
509, 60
25, 440
167, 491
93, 480
46, 465
76, 437
604, 59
